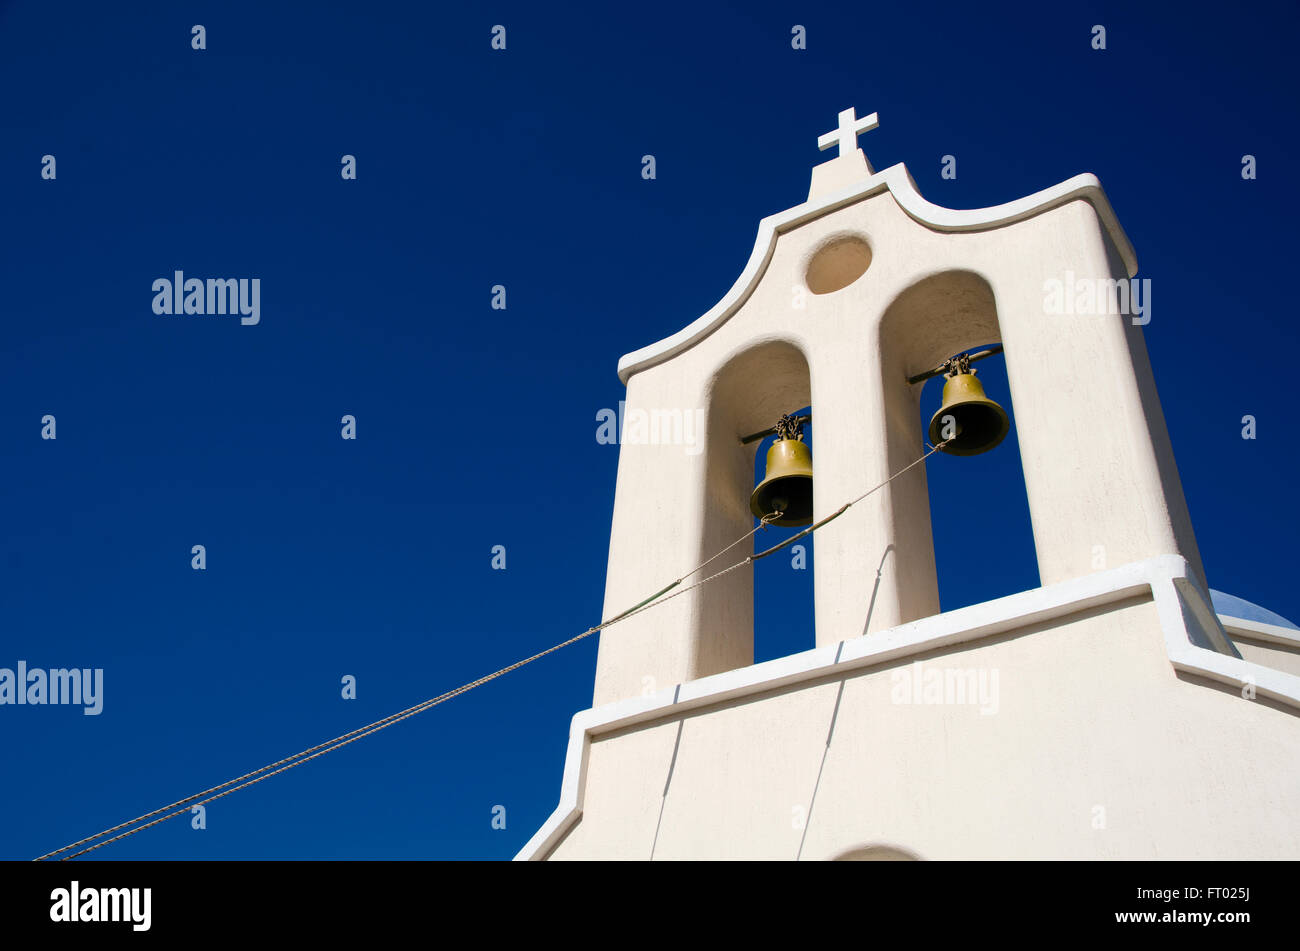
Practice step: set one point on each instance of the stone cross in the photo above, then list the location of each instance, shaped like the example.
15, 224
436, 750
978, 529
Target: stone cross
846, 135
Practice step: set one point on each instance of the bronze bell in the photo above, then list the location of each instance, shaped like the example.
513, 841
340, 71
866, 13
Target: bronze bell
787, 487
981, 423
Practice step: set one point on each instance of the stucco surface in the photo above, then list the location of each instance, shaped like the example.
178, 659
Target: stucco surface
1098, 748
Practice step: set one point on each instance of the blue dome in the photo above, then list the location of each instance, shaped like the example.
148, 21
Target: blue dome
1236, 607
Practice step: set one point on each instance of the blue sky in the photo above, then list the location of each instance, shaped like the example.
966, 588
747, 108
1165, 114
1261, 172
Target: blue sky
476, 427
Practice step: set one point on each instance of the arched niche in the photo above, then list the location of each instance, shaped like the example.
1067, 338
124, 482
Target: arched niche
877, 853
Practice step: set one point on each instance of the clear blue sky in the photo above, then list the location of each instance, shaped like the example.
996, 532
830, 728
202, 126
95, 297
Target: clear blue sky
477, 427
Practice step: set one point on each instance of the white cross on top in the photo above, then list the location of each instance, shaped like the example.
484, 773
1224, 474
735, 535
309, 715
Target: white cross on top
846, 135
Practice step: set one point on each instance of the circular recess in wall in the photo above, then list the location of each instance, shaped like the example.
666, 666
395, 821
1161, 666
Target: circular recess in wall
837, 264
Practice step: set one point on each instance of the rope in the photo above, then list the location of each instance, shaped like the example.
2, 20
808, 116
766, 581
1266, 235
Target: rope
845, 507
329, 746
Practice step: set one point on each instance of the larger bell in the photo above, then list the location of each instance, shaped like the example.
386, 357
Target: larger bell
980, 423
788, 486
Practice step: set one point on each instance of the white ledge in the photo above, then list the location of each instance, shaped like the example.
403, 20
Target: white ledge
1194, 641
899, 183
1259, 631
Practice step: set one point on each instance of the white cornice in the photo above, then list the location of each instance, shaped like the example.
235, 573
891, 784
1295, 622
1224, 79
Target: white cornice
1193, 638
1260, 631
899, 184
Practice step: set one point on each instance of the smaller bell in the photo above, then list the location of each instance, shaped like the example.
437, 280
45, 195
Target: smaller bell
787, 487
980, 423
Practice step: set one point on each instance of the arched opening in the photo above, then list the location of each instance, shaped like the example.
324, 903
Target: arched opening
750, 392
967, 517
877, 853
983, 539
783, 581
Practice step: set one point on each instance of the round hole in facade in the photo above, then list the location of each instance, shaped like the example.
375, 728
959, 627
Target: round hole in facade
838, 264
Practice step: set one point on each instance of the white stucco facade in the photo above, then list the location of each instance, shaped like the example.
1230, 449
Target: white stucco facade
1123, 721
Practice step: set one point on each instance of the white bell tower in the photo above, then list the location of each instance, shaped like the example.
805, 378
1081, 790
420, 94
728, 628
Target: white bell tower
691, 750
844, 298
